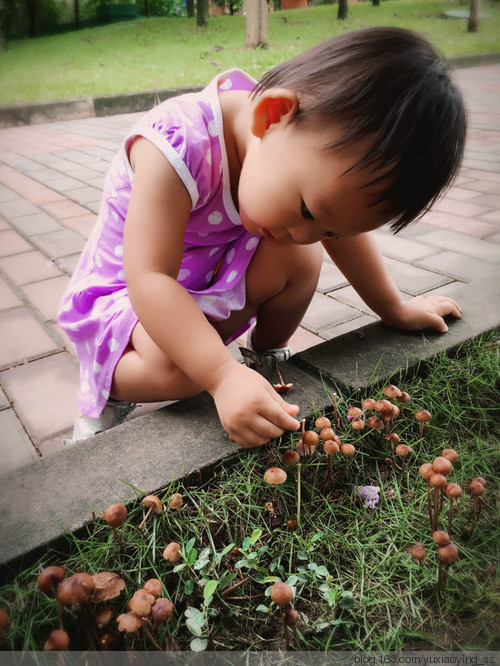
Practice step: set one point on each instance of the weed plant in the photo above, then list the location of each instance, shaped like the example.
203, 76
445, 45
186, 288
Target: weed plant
355, 584
156, 53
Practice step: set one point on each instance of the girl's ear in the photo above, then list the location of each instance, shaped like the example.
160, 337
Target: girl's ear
273, 106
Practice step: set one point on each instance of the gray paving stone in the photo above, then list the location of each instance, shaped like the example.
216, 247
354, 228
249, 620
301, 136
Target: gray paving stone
46, 295
330, 278
12, 243
18, 208
28, 267
39, 223
459, 267
64, 183
57, 244
22, 337
16, 449
84, 195
400, 248
450, 241
8, 299
324, 312
6, 194
43, 393
4, 401
413, 280
356, 324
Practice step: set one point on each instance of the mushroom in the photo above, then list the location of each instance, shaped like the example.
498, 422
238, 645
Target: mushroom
282, 594
355, 412
129, 622
330, 447
176, 501
152, 503
441, 538
376, 423
57, 641
452, 491
403, 450
426, 471
392, 392
403, 399
368, 403
442, 465
447, 554
103, 617
281, 387
358, 425
291, 524
438, 482
4, 625
172, 552
423, 417
115, 515
418, 552
476, 487
291, 619
162, 609
153, 586
76, 589
275, 476
327, 433
290, 457
450, 454
49, 579
141, 603
348, 451
322, 422
310, 440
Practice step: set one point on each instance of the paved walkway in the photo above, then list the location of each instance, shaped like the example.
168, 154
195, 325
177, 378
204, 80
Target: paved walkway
50, 181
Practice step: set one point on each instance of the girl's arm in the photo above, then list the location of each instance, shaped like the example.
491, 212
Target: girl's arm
360, 260
249, 408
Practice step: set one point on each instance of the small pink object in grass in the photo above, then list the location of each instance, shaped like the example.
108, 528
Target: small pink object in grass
369, 495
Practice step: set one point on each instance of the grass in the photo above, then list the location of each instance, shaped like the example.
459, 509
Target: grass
169, 52
355, 584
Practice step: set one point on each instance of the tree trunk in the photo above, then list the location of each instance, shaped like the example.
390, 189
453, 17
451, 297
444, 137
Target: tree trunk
376, 3
16, 22
190, 8
342, 10
474, 15
256, 23
202, 13
31, 4
76, 5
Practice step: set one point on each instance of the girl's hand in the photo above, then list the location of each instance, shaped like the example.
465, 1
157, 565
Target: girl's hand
425, 312
249, 408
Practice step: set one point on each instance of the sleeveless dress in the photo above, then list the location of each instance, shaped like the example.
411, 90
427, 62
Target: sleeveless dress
95, 310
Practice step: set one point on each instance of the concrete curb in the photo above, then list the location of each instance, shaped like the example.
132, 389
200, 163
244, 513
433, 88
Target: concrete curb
42, 501
33, 113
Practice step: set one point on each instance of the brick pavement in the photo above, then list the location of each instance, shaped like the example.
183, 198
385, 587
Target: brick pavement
50, 181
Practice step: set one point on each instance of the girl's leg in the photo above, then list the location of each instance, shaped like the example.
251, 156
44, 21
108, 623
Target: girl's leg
280, 283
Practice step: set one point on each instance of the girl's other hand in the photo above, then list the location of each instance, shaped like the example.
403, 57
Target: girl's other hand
426, 312
249, 408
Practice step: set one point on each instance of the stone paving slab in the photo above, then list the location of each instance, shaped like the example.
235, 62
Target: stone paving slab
22, 338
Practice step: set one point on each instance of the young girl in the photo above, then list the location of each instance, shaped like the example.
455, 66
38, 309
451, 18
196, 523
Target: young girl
216, 211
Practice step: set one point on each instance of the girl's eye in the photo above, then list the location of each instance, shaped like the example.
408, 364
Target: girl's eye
306, 213
330, 234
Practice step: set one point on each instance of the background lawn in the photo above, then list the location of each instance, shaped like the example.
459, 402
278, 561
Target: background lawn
167, 52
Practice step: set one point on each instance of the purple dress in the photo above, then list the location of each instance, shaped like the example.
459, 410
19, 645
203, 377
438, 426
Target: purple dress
95, 310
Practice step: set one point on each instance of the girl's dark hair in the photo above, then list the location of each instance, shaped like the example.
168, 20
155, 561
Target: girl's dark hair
390, 86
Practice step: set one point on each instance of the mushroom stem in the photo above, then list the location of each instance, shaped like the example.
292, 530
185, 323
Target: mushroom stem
150, 636
429, 505
450, 515
146, 517
299, 467
285, 629
436, 509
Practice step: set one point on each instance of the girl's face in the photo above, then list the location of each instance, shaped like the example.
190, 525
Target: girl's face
291, 190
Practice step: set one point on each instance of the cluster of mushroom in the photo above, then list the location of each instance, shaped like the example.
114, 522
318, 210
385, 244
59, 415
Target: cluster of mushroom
435, 474
447, 554
146, 609
89, 593
282, 595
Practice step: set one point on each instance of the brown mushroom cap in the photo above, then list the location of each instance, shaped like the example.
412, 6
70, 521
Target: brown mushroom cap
4, 619
327, 433
425, 470
476, 487
129, 622
354, 412
348, 449
453, 490
310, 438
76, 589
418, 552
376, 423
153, 586
368, 403
438, 480
172, 552
391, 391
448, 553
393, 438
423, 415
442, 465
291, 617
154, 502
162, 609
281, 593
450, 454
275, 476
403, 450
103, 617
291, 524
290, 457
141, 603
441, 538
357, 424
115, 515
322, 422
330, 446
50, 578
383, 406
404, 397
176, 501
480, 480
57, 641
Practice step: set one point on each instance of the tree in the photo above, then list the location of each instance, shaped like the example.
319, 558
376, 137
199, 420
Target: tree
473, 15
256, 23
202, 13
342, 10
